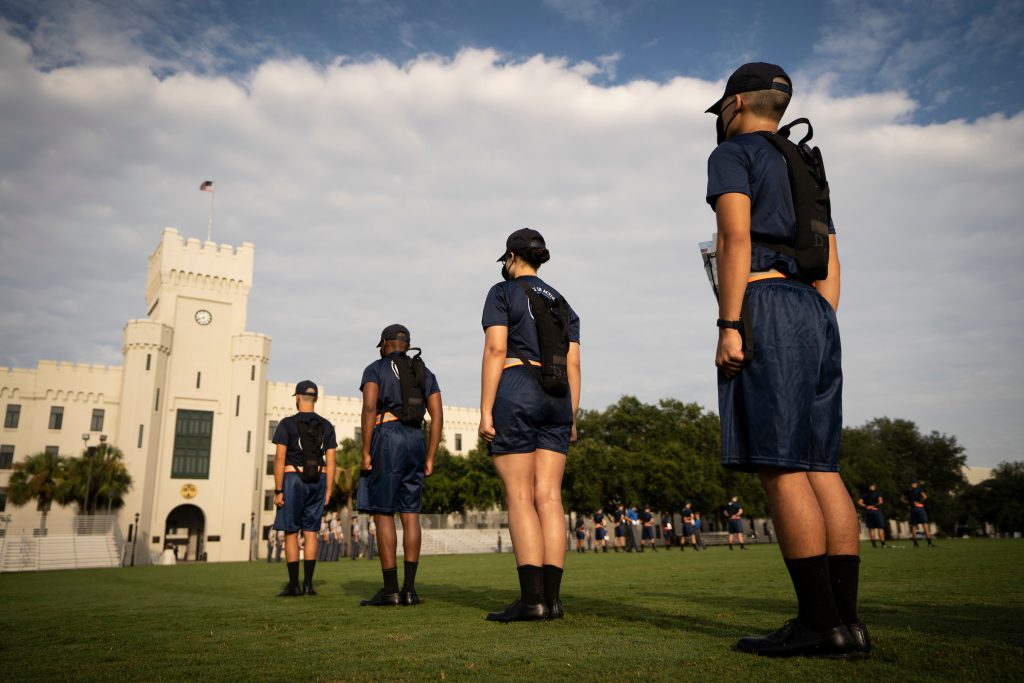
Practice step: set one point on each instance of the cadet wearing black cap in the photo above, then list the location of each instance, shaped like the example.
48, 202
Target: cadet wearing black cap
872, 502
781, 410
528, 401
303, 467
397, 391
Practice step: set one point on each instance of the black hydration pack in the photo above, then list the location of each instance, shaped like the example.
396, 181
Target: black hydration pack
311, 447
412, 376
552, 321
810, 202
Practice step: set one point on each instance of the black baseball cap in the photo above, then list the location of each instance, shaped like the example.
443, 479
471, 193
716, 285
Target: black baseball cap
523, 238
394, 332
306, 387
751, 77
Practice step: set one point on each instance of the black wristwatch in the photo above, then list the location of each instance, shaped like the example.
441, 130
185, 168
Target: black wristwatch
278, 491
729, 324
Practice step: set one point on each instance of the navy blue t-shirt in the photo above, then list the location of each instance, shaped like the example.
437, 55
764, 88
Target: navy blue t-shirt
508, 305
598, 518
733, 509
871, 498
287, 435
915, 495
385, 375
646, 517
750, 165
688, 515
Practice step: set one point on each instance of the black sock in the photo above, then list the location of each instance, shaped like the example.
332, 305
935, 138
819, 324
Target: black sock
409, 580
816, 606
308, 566
844, 570
552, 583
293, 574
390, 580
873, 543
915, 541
531, 584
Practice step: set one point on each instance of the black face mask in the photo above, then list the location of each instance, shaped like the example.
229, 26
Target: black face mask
721, 128
505, 275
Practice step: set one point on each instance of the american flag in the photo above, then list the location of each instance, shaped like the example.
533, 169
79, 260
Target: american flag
207, 186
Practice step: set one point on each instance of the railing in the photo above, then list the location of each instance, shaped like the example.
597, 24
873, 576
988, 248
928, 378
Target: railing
82, 541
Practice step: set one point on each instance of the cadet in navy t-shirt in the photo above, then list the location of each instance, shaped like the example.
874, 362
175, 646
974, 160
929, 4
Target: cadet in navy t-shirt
872, 501
919, 522
527, 429
396, 460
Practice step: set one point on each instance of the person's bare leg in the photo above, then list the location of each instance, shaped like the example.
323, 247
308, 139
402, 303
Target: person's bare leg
412, 536
547, 494
517, 475
309, 549
387, 541
842, 531
799, 523
291, 547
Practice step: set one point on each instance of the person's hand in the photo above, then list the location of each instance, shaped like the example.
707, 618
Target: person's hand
428, 469
487, 428
367, 461
729, 356
572, 433
279, 500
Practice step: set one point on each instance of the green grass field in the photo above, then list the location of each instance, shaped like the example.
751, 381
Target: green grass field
952, 613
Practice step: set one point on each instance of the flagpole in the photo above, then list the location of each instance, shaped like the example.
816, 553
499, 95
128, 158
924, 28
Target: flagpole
209, 227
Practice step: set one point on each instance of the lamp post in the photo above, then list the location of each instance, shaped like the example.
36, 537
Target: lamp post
135, 538
103, 454
88, 476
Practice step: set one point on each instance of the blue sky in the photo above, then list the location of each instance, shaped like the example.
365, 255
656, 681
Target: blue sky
409, 139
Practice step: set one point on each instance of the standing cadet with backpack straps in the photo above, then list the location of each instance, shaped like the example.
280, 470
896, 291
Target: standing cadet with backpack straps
303, 469
528, 401
398, 390
780, 378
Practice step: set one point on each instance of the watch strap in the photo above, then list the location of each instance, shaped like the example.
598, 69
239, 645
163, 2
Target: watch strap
729, 324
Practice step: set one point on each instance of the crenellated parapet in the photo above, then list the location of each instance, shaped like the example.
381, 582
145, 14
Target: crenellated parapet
250, 347
147, 335
199, 266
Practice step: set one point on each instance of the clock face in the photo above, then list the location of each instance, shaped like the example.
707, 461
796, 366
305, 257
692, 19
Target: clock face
204, 317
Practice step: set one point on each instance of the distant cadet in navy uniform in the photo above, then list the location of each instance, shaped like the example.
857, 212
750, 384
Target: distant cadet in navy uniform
689, 530
581, 533
303, 467
872, 502
780, 376
619, 520
647, 529
528, 409
632, 530
600, 533
697, 524
915, 498
395, 458
667, 535
733, 513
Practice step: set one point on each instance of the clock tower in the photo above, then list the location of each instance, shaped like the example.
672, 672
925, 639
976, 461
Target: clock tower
193, 402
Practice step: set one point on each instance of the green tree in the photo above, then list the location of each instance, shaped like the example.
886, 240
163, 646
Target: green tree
998, 500
38, 478
348, 460
103, 472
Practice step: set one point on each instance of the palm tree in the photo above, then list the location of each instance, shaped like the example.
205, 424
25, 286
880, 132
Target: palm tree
113, 478
349, 459
100, 478
40, 478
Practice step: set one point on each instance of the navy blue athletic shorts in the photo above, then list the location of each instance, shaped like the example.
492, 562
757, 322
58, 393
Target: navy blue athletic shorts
918, 516
303, 506
526, 418
874, 519
599, 533
398, 454
785, 408
580, 535
735, 526
620, 531
689, 529
647, 533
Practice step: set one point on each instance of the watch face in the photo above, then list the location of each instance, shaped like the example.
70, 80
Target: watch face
204, 317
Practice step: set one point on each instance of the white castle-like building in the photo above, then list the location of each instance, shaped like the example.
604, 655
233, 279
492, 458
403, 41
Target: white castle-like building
191, 408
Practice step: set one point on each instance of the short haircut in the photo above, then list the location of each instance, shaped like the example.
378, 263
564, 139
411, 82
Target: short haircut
768, 103
306, 399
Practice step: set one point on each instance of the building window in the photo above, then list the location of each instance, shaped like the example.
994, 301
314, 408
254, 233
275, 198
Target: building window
270, 463
3, 499
6, 457
243, 532
271, 428
13, 416
139, 444
268, 500
149, 360
52, 450
97, 420
199, 379
56, 417
458, 443
248, 441
252, 374
156, 404
193, 434
238, 404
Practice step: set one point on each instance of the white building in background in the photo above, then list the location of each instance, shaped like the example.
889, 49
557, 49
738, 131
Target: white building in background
191, 408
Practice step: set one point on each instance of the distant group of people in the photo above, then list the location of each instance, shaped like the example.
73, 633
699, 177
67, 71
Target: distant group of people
872, 501
332, 543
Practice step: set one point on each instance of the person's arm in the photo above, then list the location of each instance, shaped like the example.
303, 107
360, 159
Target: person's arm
860, 501
732, 211
881, 500
575, 383
369, 418
331, 466
279, 474
436, 411
829, 287
739, 513
495, 350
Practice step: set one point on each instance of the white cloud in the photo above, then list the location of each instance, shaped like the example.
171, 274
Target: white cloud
397, 184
